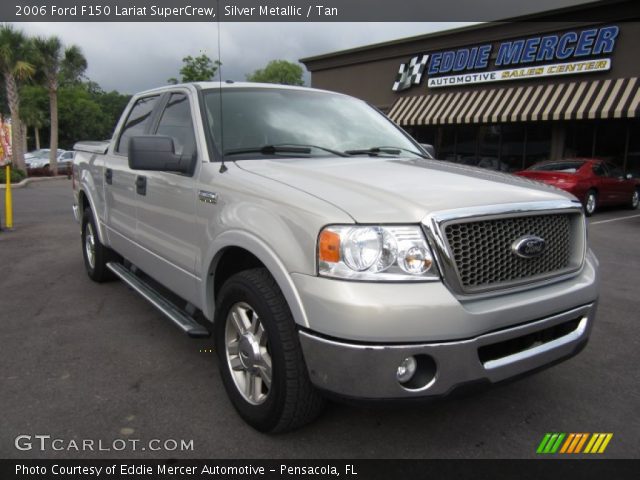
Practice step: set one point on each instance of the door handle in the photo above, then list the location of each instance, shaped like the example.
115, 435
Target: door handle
141, 185
108, 176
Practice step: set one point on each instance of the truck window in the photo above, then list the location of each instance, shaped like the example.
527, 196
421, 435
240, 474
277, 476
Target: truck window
137, 122
176, 123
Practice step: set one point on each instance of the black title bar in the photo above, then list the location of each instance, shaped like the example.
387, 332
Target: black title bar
273, 10
344, 469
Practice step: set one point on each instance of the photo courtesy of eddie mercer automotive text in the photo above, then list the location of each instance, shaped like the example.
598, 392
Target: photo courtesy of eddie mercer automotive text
317, 246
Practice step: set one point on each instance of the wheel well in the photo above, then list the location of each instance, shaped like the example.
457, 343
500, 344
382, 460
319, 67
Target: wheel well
83, 201
232, 261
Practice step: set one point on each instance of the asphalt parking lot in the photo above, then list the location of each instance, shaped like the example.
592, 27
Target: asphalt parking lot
80, 360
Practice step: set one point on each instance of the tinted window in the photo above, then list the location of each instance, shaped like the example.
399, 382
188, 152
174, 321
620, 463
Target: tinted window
137, 121
564, 167
176, 123
599, 170
615, 171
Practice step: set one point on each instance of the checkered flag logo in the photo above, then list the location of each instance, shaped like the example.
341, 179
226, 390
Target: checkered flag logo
410, 73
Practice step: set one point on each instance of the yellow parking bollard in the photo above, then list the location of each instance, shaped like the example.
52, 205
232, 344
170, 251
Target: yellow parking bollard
8, 206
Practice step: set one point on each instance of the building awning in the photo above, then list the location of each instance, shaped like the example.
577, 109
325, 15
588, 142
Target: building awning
586, 100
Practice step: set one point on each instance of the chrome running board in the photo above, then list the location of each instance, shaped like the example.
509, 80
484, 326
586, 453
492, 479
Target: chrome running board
179, 317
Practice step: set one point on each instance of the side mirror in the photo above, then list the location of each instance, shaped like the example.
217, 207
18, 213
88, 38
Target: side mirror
429, 149
157, 152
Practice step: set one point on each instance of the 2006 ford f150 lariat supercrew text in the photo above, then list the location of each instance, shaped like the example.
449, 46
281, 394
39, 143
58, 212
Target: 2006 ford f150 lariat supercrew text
325, 250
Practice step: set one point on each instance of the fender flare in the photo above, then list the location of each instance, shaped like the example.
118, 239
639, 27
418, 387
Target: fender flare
92, 204
269, 258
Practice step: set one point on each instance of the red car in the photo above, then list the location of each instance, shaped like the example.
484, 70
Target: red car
594, 182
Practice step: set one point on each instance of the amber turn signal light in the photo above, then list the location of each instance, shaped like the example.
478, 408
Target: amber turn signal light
329, 247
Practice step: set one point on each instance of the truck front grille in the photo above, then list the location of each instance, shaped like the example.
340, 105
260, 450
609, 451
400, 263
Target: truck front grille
483, 256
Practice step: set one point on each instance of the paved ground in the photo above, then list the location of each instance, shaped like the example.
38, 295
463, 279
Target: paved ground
85, 361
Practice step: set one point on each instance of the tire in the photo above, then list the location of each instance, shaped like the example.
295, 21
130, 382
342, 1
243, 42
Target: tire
268, 353
96, 256
590, 202
635, 199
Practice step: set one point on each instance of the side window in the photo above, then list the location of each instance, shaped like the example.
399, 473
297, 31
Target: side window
599, 170
614, 171
176, 123
137, 122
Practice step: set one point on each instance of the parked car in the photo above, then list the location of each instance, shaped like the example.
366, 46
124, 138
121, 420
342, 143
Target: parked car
39, 161
595, 182
325, 250
41, 152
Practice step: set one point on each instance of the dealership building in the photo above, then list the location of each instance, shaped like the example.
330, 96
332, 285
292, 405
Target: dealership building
505, 95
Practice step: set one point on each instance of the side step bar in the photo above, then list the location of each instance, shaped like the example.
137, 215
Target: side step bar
179, 317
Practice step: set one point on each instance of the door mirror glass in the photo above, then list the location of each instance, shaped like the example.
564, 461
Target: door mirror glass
157, 152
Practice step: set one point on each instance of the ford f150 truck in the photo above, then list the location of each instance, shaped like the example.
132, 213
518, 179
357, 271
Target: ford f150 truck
325, 250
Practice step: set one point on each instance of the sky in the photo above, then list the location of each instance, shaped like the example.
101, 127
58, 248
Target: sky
131, 57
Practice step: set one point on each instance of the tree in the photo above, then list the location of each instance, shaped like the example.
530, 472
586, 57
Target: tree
33, 109
278, 71
52, 61
197, 69
15, 68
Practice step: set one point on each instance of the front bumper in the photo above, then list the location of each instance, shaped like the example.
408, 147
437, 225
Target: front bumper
369, 371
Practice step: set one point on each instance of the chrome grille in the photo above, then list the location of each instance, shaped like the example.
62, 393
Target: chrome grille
483, 256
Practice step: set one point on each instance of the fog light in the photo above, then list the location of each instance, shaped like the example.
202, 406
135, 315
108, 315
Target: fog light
406, 369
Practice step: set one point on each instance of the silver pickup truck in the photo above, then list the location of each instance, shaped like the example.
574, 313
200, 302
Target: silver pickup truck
325, 250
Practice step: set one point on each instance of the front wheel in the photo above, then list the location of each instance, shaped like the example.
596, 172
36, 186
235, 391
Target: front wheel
260, 357
590, 203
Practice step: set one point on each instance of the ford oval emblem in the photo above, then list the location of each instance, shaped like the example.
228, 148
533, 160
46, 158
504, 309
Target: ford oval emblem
528, 246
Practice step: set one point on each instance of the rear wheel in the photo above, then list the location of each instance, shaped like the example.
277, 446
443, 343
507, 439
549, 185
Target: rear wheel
96, 256
590, 202
260, 357
635, 199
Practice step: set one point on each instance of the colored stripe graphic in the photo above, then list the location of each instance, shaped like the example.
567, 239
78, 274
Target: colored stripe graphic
572, 443
550, 443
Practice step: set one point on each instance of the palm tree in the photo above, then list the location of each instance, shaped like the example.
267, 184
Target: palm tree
14, 52
55, 63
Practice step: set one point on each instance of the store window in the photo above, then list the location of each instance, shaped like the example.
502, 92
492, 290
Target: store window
489, 148
578, 140
512, 147
633, 149
446, 144
466, 136
611, 139
538, 143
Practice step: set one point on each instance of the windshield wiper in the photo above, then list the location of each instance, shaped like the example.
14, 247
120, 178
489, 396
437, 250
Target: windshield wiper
334, 152
269, 150
386, 150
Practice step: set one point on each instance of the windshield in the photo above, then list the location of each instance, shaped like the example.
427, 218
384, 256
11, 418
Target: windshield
325, 124
564, 167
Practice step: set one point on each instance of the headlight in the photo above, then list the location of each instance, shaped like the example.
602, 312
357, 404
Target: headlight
375, 253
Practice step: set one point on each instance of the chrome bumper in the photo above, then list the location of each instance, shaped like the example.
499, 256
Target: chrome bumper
369, 371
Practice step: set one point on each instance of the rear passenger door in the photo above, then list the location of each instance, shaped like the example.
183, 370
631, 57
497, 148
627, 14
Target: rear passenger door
166, 205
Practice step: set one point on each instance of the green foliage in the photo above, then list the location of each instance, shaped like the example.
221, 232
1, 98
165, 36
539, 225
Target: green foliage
278, 71
34, 106
85, 112
86, 115
16, 175
15, 53
197, 69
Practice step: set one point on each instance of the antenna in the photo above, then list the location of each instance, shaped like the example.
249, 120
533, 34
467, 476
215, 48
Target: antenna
223, 167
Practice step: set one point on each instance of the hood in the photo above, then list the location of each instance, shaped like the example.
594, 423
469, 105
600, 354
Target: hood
399, 190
